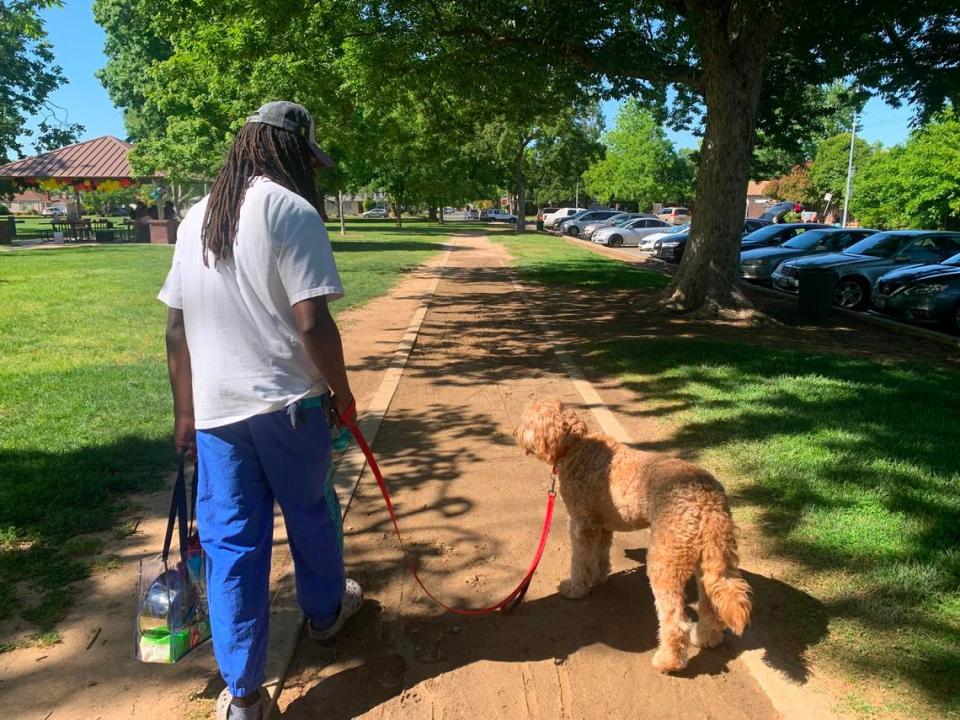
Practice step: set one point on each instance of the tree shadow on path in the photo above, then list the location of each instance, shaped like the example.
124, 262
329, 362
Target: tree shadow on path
382, 655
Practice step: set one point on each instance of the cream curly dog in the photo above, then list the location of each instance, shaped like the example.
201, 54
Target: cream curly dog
608, 487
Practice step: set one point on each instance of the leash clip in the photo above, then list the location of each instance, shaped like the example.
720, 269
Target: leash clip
553, 483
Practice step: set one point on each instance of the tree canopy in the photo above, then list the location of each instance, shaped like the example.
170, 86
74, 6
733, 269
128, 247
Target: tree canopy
829, 170
640, 164
733, 69
28, 76
916, 184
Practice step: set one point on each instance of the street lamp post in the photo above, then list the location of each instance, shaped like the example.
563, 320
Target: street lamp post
846, 193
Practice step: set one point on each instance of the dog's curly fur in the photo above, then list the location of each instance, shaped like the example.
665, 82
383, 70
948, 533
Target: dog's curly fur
608, 487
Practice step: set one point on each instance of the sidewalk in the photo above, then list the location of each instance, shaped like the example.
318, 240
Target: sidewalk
471, 507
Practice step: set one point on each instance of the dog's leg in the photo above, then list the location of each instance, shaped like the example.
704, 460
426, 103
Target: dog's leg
601, 561
708, 632
584, 538
667, 579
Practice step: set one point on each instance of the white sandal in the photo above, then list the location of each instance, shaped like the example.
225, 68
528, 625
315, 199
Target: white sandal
349, 605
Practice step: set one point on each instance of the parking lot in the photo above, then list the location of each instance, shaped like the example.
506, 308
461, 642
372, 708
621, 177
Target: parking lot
909, 280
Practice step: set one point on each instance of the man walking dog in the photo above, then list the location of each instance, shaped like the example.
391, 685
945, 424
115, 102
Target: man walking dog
253, 355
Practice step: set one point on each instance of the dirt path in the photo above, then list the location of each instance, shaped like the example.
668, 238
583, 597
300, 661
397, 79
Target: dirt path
91, 674
471, 506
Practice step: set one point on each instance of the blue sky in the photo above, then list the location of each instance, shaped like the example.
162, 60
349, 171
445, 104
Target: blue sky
78, 45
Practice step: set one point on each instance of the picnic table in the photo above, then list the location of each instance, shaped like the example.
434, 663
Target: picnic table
88, 230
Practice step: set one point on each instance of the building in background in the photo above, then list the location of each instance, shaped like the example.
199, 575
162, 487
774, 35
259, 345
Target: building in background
34, 202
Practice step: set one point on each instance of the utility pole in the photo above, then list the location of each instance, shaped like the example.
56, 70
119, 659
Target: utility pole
846, 193
576, 201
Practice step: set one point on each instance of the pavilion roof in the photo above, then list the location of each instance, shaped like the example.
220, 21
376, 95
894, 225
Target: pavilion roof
103, 158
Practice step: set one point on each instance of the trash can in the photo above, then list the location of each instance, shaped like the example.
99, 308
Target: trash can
815, 294
8, 230
163, 232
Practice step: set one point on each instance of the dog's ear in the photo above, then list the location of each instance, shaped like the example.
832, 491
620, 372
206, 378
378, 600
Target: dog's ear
573, 424
548, 432
554, 427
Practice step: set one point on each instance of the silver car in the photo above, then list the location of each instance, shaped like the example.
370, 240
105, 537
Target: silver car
623, 217
575, 225
630, 234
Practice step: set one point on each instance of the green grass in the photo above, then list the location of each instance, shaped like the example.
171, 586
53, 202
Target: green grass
554, 261
33, 223
847, 468
85, 405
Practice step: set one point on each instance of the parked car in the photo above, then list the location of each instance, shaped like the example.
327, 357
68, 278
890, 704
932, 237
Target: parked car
560, 221
375, 213
448, 211
560, 224
575, 225
630, 234
51, 212
922, 294
861, 265
648, 242
551, 220
471, 214
674, 215
618, 219
501, 216
775, 213
773, 235
758, 264
542, 214
671, 247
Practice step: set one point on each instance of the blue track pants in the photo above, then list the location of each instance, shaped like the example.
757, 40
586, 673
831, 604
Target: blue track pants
243, 468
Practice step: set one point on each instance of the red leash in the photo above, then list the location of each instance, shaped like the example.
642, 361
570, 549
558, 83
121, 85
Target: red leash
349, 420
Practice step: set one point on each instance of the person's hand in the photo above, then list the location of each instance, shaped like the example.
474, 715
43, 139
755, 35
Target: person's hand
185, 435
342, 402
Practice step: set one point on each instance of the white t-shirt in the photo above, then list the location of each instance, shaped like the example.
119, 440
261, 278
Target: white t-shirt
246, 354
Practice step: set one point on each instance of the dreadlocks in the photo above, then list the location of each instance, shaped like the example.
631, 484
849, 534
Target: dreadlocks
257, 150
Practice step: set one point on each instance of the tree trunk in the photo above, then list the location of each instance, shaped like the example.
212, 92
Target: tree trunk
432, 213
397, 211
733, 50
521, 184
343, 227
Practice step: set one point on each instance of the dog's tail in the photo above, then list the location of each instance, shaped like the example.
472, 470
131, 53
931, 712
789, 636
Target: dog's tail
728, 591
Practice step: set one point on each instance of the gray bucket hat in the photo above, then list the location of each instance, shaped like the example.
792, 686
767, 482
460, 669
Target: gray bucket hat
295, 118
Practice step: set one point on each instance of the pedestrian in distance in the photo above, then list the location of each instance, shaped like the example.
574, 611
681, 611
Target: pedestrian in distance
256, 364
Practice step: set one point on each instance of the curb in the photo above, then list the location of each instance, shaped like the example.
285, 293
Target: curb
873, 319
